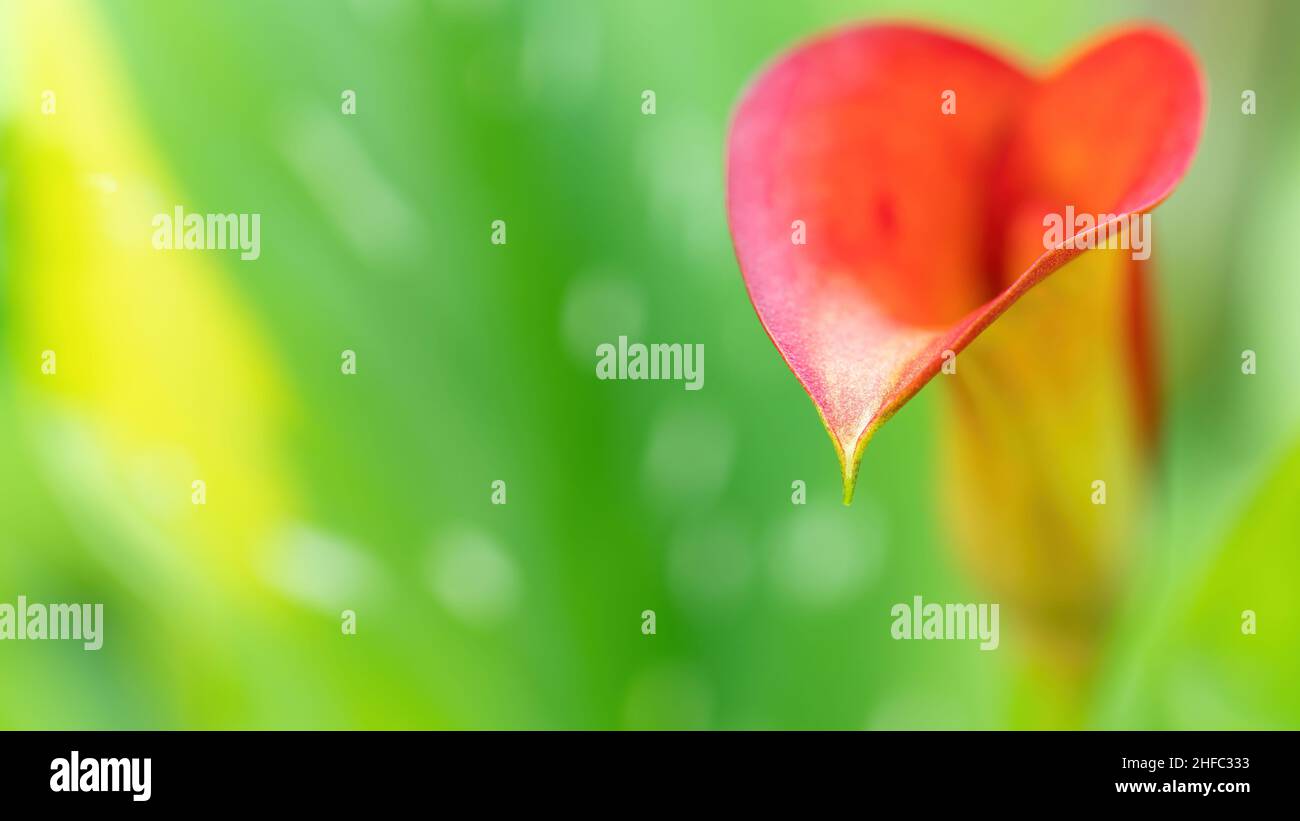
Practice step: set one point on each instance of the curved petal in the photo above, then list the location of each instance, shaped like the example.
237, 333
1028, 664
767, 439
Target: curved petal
912, 215
1111, 132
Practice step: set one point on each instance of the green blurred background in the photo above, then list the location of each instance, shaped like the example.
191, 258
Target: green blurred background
475, 363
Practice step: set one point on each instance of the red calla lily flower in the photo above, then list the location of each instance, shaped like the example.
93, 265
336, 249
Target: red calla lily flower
887, 188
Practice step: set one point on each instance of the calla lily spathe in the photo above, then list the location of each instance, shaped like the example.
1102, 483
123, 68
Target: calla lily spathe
920, 169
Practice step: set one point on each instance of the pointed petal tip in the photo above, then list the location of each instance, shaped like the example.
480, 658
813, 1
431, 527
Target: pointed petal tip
850, 482
850, 462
